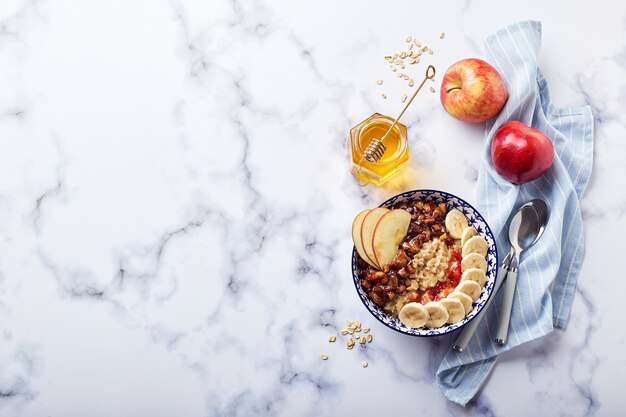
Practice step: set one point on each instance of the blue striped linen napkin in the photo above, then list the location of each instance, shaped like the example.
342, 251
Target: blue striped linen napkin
549, 270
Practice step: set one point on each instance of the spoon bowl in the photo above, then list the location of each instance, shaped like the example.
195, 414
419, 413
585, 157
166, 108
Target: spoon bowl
527, 226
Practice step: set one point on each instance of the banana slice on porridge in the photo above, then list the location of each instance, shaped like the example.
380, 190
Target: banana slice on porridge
474, 260
438, 314
470, 288
468, 233
465, 300
475, 274
413, 315
456, 310
456, 223
476, 244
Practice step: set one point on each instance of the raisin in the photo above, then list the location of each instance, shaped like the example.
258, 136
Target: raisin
393, 282
377, 298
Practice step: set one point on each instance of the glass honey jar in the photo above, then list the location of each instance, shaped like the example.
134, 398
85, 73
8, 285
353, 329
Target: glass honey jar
394, 157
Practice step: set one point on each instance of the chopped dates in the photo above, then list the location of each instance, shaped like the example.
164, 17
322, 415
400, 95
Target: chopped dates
427, 222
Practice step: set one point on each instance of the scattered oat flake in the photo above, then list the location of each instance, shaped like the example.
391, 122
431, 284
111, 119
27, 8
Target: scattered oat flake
364, 364
408, 39
379, 82
345, 332
417, 43
350, 343
443, 35
403, 55
366, 330
324, 357
411, 83
400, 75
362, 340
392, 68
403, 99
395, 56
432, 90
332, 338
424, 49
389, 58
369, 338
384, 98
430, 51
410, 46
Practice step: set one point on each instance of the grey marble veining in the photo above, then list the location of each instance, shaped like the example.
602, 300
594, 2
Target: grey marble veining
175, 206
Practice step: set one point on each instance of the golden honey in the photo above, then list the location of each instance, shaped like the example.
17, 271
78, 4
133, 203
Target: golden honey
393, 160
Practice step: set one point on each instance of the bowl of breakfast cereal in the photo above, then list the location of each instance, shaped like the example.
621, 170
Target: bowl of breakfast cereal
424, 262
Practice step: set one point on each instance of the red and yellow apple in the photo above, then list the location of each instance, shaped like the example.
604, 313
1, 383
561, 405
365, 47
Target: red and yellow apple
520, 153
473, 91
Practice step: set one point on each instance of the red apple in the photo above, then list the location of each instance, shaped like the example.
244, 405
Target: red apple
520, 153
473, 91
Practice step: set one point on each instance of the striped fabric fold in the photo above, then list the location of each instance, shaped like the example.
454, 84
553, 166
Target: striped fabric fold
549, 270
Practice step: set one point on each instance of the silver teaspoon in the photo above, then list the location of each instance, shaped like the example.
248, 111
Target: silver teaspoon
525, 229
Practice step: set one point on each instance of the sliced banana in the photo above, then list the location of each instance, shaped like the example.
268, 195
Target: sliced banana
455, 308
474, 260
476, 244
468, 233
438, 314
456, 223
475, 274
470, 288
465, 299
413, 315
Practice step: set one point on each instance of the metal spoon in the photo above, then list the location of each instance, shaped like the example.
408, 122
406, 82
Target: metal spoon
539, 218
525, 229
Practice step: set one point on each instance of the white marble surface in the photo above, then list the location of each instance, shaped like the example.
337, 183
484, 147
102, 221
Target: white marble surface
175, 207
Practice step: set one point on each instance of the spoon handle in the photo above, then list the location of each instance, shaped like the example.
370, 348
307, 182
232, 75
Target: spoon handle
505, 309
468, 330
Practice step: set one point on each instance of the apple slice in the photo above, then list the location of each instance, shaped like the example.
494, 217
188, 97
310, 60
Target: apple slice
356, 237
390, 229
367, 231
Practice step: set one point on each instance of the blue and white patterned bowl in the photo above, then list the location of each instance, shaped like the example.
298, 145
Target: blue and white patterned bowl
478, 222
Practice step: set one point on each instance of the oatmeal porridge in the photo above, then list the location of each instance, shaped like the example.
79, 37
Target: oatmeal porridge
437, 273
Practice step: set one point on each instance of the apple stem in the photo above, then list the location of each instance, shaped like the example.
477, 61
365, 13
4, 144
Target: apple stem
453, 88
